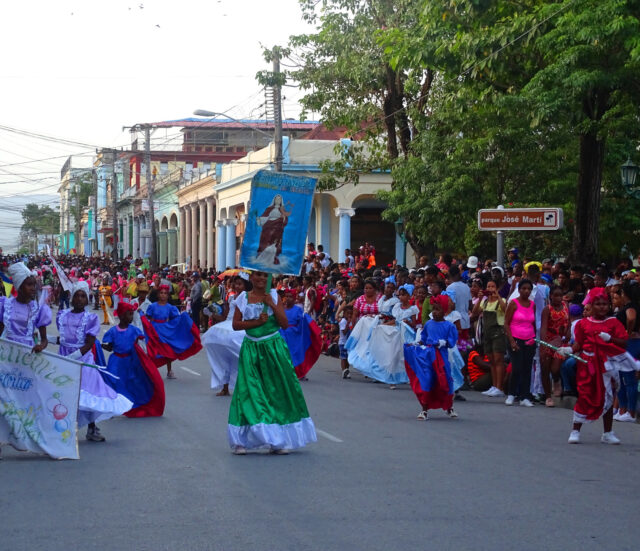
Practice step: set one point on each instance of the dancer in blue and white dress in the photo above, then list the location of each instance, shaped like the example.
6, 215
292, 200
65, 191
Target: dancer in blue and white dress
223, 344
78, 330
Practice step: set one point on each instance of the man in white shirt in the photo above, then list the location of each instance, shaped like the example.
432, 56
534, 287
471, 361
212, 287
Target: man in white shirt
461, 296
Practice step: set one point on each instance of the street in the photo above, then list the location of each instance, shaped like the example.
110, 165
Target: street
377, 478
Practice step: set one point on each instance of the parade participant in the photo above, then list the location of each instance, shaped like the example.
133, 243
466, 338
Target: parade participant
388, 300
520, 328
22, 315
302, 336
222, 343
78, 330
601, 341
138, 377
105, 292
364, 319
427, 363
555, 330
268, 407
170, 334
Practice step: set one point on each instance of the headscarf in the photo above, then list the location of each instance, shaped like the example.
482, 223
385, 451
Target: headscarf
18, 273
442, 300
80, 286
125, 307
593, 294
166, 287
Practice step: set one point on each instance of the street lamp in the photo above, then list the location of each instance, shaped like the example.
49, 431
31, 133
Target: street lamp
399, 225
628, 174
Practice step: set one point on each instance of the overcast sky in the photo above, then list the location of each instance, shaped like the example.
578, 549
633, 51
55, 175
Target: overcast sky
80, 70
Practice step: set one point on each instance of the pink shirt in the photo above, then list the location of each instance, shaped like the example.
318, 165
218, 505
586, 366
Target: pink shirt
522, 322
365, 308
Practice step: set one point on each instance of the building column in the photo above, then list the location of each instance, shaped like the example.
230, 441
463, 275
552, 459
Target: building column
344, 236
182, 222
324, 236
194, 235
136, 238
172, 243
187, 235
401, 252
221, 244
162, 248
202, 235
231, 242
210, 232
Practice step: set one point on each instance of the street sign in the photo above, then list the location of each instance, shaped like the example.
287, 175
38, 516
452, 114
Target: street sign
532, 219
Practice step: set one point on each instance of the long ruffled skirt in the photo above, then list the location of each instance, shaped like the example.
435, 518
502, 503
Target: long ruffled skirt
268, 408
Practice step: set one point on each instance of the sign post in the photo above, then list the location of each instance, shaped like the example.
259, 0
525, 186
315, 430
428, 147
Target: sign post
521, 219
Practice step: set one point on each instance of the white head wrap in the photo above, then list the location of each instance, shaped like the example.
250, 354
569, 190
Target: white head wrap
18, 273
80, 286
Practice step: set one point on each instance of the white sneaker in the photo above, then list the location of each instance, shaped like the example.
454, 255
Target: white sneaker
616, 417
509, 401
526, 403
497, 393
452, 413
626, 418
488, 392
423, 416
609, 438
574, 437
239, 450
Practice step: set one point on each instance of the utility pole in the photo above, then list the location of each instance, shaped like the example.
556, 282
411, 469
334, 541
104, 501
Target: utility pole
78, 216
153, 258
114, 201
277, 108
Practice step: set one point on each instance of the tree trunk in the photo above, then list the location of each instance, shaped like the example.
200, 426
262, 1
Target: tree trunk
420, 249
585, 233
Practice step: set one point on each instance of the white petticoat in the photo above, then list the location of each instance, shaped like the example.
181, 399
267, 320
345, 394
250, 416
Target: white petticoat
223, 344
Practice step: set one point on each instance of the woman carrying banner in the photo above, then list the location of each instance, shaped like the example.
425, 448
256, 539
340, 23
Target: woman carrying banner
272, 221
170, 334
138, 377
267, 408
223, 344
78, 330
20, 316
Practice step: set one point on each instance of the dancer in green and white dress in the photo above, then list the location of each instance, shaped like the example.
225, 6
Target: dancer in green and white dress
268, 408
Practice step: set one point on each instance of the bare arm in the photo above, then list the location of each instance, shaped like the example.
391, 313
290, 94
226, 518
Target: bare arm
43, 339
242, 325
545, 323
507, 324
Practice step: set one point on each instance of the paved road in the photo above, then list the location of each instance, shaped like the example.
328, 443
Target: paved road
377, 479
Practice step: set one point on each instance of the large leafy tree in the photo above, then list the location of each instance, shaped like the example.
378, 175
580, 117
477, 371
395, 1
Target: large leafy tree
40, 220
576, 62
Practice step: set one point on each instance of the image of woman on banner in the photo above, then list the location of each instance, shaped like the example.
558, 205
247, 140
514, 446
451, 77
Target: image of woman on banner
273, 221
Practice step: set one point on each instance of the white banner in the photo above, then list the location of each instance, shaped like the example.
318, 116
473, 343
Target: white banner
39, 396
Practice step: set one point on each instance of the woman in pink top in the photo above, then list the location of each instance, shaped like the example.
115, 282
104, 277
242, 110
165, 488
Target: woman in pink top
520, 327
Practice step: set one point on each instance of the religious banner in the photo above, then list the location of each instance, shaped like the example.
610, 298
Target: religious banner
277, 222
39, 396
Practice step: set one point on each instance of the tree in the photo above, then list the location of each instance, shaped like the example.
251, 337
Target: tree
351, 82
40, 220
82, 189
575, 61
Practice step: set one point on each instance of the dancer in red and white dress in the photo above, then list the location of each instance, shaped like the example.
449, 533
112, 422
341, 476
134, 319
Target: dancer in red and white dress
601, 341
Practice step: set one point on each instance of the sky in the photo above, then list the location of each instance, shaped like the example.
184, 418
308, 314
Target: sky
77, 71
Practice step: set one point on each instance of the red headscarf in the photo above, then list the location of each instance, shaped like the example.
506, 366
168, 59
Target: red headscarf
442, 300
125, 307
165, 287
593, 294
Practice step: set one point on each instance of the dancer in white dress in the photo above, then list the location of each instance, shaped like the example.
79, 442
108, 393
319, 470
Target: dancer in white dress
223, 344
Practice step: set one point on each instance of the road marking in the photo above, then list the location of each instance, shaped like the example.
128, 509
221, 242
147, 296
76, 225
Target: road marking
190, 371
329, 436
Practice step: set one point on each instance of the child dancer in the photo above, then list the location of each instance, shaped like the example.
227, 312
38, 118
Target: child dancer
78, 330
105, 292
170, 334
223, 344
267, 408
138, 377
302, 336
428, 366
601, 340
